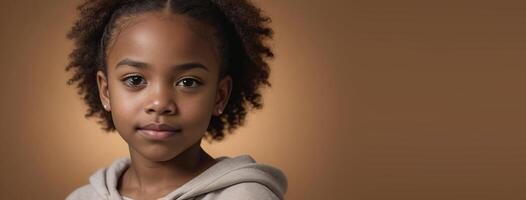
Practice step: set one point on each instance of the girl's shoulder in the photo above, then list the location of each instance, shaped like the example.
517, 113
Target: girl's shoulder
245, 191
84, 192
234, 178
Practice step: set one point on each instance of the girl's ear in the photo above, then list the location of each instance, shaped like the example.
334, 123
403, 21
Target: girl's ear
223, 94
104, 94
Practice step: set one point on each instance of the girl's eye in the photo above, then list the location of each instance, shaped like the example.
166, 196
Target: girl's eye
133, 81
189, 82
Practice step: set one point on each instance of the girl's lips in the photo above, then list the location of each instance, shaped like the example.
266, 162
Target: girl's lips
158, 135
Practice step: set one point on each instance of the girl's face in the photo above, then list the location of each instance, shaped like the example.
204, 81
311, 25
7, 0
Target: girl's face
163, 69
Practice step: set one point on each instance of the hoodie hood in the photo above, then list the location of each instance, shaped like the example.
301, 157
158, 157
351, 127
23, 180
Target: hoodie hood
226, 172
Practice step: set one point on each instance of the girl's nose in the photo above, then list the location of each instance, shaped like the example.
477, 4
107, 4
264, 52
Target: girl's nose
161, 102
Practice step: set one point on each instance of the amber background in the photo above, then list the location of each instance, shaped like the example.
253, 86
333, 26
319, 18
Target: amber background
370, 100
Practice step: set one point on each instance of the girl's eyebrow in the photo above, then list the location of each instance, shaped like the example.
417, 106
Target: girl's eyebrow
179, 67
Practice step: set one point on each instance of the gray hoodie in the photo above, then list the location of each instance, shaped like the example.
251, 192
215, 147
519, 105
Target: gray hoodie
229, 179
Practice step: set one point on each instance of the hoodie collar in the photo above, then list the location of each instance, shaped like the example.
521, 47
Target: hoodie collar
226, 172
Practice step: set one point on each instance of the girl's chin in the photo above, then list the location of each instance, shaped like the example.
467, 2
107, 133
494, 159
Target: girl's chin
157, 152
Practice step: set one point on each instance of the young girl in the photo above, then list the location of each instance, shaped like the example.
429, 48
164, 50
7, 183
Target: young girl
164, 74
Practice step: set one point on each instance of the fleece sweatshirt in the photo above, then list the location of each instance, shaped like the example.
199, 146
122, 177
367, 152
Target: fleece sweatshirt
238, 178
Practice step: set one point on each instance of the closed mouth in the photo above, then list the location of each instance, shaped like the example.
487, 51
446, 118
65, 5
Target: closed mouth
158, 131
159, 127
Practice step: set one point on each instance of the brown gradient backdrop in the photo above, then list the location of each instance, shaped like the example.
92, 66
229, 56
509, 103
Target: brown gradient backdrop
371, 100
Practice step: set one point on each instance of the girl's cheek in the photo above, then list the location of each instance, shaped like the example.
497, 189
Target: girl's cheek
196, 111
126, 103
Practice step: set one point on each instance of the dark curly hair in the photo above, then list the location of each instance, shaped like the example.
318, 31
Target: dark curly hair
241, 31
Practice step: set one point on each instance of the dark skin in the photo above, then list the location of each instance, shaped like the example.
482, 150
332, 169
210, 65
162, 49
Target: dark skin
163, 68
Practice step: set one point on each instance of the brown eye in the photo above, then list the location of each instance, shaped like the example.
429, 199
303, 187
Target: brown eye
133, 81
189, 83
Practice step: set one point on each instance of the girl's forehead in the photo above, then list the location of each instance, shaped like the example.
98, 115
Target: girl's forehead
164, 37
157, 22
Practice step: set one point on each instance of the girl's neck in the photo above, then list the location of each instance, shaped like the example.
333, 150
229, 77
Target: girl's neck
146, 177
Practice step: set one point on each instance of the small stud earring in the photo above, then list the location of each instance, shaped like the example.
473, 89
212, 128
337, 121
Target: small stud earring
105, 106
219, 111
